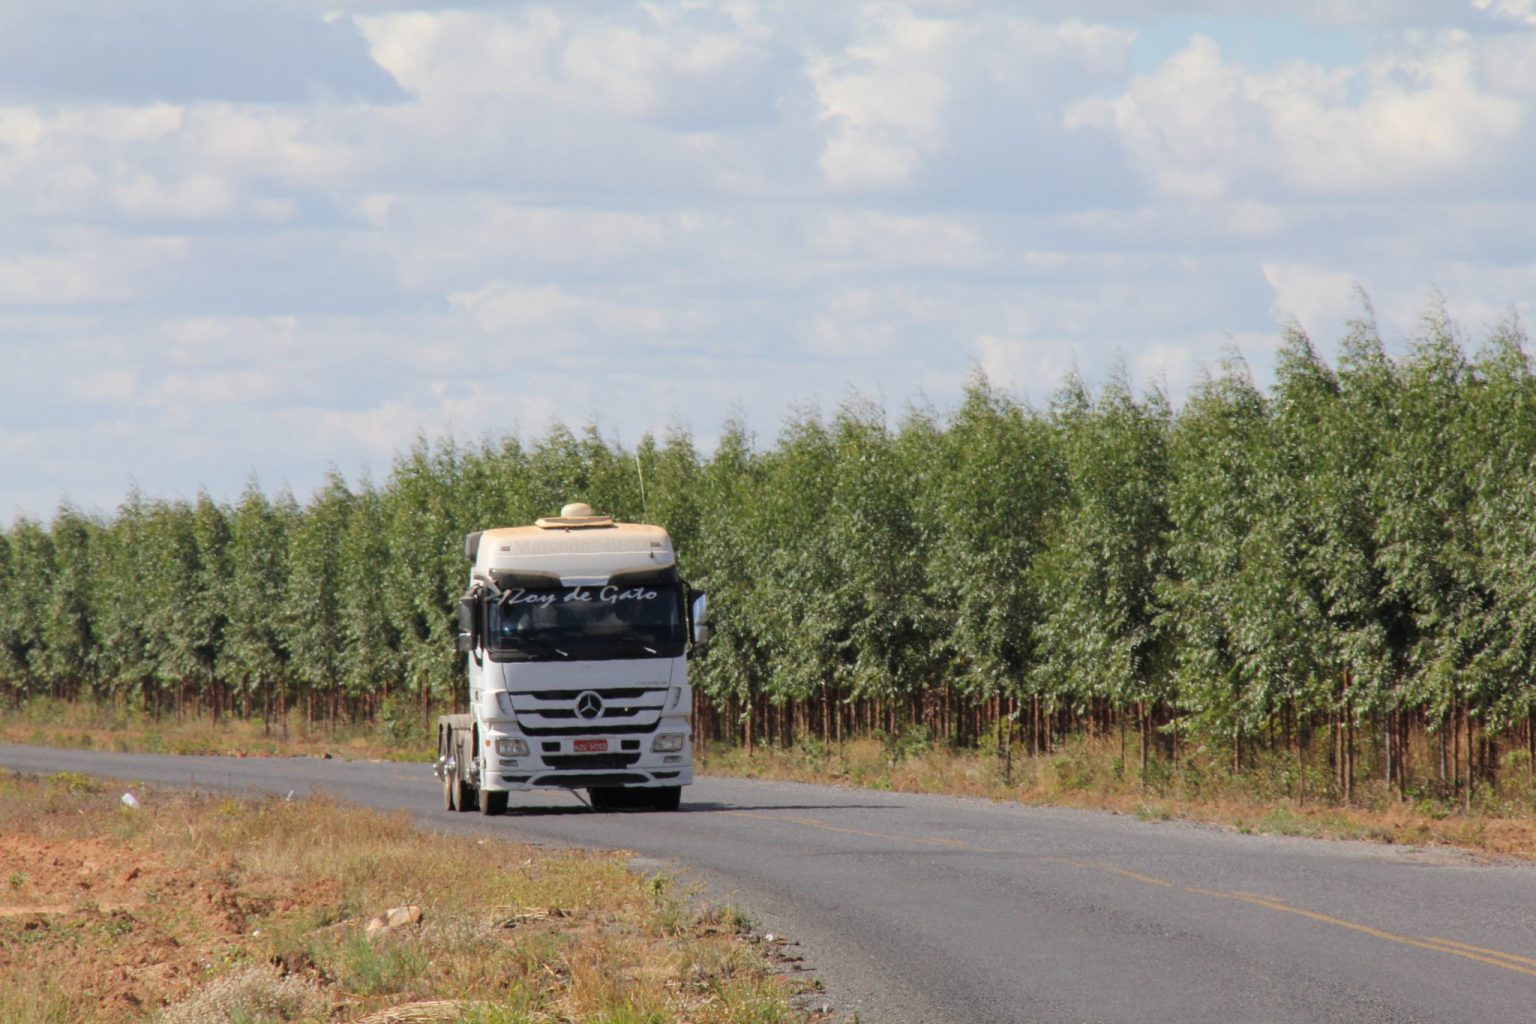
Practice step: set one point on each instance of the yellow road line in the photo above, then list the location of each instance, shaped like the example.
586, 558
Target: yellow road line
1339, 922
1480, 949
1450, 947
1114, 869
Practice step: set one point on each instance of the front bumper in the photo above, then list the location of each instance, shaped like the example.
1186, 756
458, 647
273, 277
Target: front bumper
556, 763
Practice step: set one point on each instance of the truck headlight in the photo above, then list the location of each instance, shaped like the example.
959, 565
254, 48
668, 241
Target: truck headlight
668, 744
511, 746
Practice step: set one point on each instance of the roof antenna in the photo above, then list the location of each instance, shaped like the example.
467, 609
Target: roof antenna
645, 510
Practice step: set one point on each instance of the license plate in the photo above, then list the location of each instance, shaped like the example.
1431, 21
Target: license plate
589, 746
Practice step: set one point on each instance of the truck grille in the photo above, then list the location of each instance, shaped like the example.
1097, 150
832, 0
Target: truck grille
591, 779
590, 762
624, 710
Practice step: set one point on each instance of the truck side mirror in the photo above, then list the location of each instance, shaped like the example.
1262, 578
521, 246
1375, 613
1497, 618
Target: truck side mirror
469, 623
700, 616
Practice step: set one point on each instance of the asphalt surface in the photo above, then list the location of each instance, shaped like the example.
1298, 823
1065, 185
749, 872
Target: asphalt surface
921, 910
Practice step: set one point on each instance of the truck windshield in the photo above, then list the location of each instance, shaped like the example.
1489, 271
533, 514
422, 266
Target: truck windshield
586, 623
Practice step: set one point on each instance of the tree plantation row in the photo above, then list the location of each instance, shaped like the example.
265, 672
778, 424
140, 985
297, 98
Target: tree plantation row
1338, 572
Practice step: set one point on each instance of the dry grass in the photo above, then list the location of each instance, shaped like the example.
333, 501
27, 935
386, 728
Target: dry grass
192, 909
87, 725
1088, 773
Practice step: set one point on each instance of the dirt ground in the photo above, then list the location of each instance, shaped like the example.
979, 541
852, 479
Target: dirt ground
191, 909
168, 928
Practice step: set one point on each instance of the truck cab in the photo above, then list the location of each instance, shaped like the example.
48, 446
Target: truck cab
577, 631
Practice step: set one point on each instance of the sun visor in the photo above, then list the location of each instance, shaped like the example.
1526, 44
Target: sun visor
643, 577
509, 579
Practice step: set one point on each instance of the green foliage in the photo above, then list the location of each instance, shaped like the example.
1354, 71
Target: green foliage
1256, 572
74, 783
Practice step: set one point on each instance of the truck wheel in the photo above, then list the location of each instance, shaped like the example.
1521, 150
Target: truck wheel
493, 801
444, 748
463, 792
667, 798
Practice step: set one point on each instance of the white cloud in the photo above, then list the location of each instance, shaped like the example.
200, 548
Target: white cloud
86, 266
870, 237
1033, 366
1515, 10
107, 386
244, 387
1170, 366
540, 319
883, 99
899, 94
1205, 128
1508, 63
657, 63
1316, 297
441, 241
679, 211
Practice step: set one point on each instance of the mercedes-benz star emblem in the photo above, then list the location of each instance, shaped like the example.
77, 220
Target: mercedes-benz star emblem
589, 705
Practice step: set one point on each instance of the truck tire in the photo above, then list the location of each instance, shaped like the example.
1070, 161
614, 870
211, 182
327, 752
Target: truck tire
667, 798
463, 792
444, 752
492, 801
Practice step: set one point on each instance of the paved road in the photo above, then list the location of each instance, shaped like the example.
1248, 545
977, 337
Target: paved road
919, 910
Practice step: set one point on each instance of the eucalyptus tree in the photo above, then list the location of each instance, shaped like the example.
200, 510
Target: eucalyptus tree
1098, 636
1214, 495
565, 467
13, 656
997, 477
373, 666
68, 641
209, 600
493, 484
120, 590
727, 560
612, 474
312, 612
175, 617
256, 652
28, 591
877, 595
804, 605
425, 523
1427, 551
1499, 440
1289, 620
1354, 441
669, 476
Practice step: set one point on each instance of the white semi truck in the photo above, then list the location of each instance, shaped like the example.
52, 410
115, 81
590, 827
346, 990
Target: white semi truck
577, 631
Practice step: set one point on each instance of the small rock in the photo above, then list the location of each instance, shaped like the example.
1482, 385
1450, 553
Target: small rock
395, 917
129, 800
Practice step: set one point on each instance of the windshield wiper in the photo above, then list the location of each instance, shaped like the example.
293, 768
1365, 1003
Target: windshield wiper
533, 641
631, 638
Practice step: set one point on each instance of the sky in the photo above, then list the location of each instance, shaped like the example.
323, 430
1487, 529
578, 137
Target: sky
259, 239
